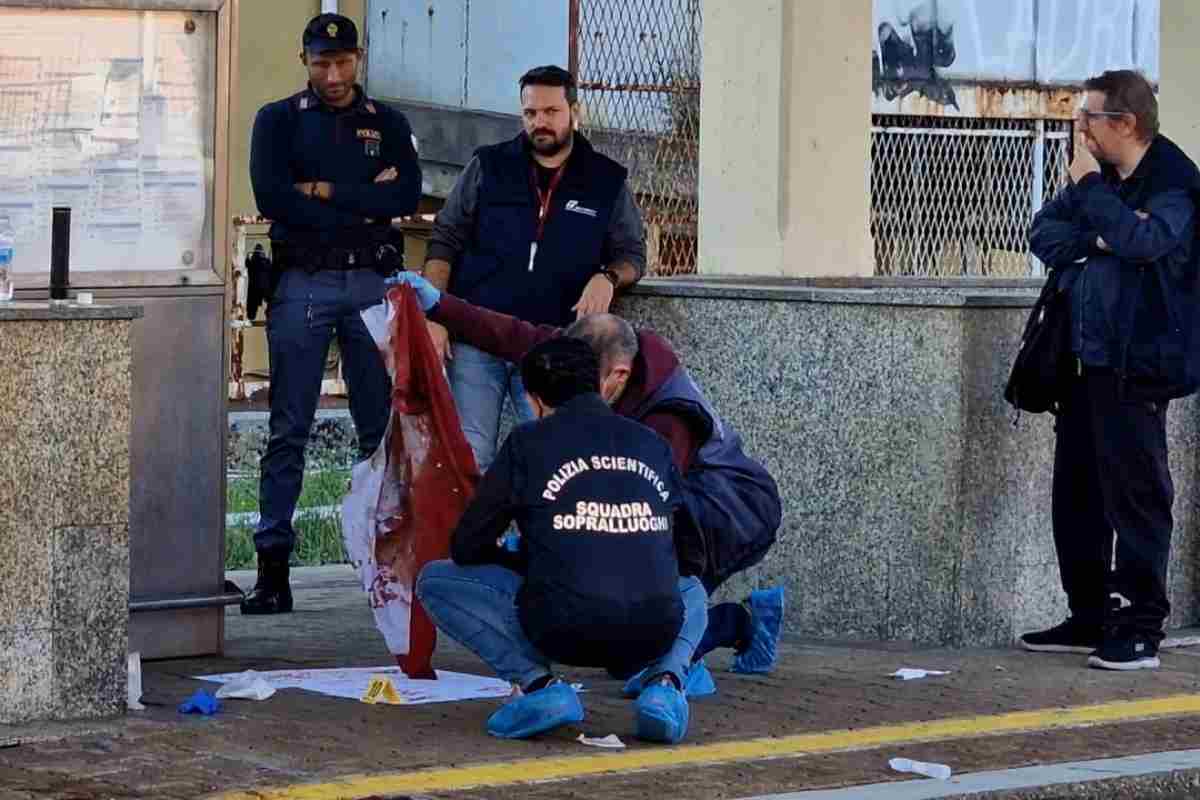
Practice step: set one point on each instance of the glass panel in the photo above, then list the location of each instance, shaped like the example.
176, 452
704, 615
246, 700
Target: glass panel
112, 114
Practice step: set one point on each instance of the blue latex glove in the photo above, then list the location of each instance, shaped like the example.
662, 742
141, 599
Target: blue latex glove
511, 541
427, 295
200, 703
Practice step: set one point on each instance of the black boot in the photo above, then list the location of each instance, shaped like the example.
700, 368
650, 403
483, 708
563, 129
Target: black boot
272, 594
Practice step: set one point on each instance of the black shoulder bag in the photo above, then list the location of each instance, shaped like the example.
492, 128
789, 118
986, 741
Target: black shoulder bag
1043, 360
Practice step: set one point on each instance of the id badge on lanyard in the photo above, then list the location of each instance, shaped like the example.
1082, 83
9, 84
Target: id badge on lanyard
544, 199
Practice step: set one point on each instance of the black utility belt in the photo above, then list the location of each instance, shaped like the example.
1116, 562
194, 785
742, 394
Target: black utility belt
383, 257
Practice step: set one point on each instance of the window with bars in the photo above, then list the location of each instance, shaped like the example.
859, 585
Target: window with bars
637, 63
953, 197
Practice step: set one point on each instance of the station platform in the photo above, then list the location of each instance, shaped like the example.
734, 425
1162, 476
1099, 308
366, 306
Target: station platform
828, 719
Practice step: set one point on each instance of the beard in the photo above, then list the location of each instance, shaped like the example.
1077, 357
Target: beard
547, 143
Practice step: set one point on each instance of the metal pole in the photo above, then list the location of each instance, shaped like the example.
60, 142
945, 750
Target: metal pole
1038, 190
573, 38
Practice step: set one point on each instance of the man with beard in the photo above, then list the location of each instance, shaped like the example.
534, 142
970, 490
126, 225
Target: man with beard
331, 168
1124, 235
541, 227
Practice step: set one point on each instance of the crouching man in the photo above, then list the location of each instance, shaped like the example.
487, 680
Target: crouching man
599, 581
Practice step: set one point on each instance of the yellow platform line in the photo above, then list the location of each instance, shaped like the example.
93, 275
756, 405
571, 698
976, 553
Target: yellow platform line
508, 773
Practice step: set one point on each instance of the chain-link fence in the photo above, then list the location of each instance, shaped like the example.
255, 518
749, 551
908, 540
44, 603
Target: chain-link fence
638, 67
954, 196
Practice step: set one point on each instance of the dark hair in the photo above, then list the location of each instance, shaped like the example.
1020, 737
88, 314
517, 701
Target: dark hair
612, 338
1128, 91
551, 75
561, 368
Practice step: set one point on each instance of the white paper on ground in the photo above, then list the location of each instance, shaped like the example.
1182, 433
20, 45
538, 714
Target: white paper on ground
610, 742
133, 699
939, 771
351, 683
248, 685
907, 674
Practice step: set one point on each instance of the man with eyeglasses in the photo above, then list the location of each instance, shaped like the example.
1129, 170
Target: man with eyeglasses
1124, 234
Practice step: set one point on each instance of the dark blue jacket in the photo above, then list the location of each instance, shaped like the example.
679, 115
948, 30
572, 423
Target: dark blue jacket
593, 495
300, 139
494, 271
731, 498
1134, 309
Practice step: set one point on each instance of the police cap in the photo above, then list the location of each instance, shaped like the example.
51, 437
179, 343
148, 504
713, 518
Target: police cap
328, 32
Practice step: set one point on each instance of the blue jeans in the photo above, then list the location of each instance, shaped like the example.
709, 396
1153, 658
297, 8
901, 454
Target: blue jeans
480, 382
477, 607
305, 313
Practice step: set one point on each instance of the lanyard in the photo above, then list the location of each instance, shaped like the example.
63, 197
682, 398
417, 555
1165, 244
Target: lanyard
544, 200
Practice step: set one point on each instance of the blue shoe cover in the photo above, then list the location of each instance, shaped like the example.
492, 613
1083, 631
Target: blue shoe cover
766, 614
699, 682
633, 686
536, 712
662, 714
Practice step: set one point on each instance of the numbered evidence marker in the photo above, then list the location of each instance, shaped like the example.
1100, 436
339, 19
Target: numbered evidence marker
382, 690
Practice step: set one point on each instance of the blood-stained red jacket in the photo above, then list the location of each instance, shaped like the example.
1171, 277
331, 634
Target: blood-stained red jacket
432, 463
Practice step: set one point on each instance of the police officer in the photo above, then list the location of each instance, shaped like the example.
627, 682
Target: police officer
332, 168
597, 581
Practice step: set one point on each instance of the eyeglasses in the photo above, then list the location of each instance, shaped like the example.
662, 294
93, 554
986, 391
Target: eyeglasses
1086, 114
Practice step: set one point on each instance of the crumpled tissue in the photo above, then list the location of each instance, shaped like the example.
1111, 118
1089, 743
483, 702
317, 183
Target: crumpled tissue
247, 686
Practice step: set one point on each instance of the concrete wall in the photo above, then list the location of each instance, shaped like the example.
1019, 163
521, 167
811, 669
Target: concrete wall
913, 508
785, 139
65, 410
1179, 92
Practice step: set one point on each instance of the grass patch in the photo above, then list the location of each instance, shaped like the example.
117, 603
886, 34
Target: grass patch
318, 538
321, 488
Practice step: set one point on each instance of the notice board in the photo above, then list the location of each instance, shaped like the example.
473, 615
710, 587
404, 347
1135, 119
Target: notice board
112, 113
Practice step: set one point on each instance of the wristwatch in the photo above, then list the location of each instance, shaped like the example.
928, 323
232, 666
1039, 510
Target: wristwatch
613, 277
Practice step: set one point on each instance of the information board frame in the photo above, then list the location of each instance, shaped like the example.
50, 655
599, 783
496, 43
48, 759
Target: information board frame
217, 177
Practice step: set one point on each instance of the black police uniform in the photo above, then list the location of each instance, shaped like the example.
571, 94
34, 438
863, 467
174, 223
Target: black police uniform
330, 260
593, 495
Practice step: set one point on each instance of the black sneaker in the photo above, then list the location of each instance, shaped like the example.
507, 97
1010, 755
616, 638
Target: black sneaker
1067, 637
1127, 651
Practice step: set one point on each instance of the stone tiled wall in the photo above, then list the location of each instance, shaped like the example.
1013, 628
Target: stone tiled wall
64, 517
913, 508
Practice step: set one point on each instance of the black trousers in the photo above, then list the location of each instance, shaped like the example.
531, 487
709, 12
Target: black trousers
1111, 475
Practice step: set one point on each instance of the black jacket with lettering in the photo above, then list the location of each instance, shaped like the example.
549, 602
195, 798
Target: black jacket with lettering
593, 495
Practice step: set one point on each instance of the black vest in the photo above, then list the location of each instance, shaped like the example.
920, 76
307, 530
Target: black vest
495, 273
596, 496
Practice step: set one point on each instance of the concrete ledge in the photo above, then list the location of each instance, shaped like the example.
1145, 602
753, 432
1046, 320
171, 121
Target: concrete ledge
914, 508
45, 311
855, 291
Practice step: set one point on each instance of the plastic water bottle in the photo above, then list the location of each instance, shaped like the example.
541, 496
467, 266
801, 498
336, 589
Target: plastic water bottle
7, 241
938, 771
